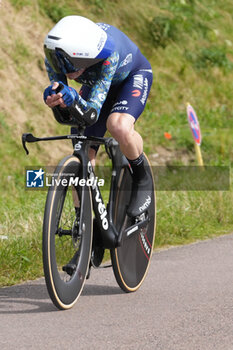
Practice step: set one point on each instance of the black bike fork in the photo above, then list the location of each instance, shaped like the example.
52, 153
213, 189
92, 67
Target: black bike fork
108, 234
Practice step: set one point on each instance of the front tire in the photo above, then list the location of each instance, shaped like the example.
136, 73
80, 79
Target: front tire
62, 241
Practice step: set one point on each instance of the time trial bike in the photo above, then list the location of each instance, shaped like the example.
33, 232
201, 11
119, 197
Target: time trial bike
78, 226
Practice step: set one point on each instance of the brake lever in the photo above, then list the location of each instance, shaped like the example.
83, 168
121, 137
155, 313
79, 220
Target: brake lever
27, 137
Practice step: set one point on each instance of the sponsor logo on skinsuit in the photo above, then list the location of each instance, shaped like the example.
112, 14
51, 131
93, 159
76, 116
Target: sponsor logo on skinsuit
127, 60
145, 92
136, 93
138, 81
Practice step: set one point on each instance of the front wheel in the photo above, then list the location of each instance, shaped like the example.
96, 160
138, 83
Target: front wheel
67, 235
131, 260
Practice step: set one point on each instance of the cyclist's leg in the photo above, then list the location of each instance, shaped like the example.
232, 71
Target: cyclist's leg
121, 127
129, 105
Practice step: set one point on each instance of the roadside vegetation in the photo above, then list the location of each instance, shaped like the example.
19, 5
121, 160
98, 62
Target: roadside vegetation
189, 44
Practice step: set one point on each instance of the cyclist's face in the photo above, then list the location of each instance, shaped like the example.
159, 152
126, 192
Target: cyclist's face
75, 75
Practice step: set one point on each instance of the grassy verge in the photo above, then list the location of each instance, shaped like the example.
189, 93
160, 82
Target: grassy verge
20, 213
182, 217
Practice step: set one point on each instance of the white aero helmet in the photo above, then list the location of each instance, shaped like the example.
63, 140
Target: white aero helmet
76, 42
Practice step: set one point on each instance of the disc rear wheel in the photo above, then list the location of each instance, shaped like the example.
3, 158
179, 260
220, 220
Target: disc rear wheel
131, 260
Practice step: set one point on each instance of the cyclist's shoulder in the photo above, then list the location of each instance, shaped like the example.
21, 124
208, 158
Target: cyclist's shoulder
114, 32
105, 26
112, 60
104, 70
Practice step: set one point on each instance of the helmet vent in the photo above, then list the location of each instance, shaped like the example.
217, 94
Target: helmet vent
53, 37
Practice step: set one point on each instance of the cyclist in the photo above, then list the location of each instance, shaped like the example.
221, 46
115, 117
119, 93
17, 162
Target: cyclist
116, 79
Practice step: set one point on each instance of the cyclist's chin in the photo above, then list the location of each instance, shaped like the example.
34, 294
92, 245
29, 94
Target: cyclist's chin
75, 75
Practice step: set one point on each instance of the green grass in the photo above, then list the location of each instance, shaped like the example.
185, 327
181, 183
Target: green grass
184, 217
21, 259
21, 213
189, 44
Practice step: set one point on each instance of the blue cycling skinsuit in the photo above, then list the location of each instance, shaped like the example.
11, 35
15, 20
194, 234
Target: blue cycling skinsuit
121, 83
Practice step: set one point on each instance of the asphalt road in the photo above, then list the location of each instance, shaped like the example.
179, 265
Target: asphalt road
186, 302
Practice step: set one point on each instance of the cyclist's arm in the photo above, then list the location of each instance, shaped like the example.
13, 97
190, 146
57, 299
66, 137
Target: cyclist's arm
99, 91
54, 76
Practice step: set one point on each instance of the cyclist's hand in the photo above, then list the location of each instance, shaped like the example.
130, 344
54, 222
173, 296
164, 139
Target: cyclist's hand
69, 95
64, 98
51, 98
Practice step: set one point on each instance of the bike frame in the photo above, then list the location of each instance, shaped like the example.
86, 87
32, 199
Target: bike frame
104, 216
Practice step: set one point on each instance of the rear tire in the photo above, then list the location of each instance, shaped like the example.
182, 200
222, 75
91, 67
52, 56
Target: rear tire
131, 260
62, 244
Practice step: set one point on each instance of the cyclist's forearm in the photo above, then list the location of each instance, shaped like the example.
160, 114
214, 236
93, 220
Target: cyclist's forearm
54, 76
100, 89
85, 105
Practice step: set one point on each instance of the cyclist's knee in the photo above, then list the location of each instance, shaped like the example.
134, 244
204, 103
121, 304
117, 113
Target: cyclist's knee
121, 127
